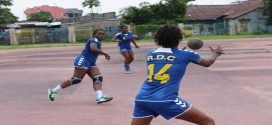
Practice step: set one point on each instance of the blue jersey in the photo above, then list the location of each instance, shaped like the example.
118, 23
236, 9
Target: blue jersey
166, 67
86, 52
125, 39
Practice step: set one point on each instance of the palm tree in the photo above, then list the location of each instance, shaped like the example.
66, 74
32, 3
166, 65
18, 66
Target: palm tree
90, 4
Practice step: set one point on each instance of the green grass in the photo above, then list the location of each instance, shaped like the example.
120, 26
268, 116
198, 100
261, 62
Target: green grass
44, 45
212, 37
206, 37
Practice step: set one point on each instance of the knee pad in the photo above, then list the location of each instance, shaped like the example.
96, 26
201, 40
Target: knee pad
98, 79
74, 80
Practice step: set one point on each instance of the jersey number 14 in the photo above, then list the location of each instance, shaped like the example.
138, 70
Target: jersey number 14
160, 76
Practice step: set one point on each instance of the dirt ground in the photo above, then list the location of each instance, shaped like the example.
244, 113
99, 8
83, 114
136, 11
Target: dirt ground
236, 90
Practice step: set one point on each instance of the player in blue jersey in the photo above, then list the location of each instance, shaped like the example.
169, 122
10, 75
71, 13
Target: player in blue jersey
166, 66
85, 63
124, 38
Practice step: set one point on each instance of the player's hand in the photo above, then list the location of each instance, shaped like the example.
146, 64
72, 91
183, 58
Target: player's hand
219, 50
107, 56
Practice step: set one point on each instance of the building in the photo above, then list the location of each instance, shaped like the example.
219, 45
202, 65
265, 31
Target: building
73, 13
55, 11
242, 17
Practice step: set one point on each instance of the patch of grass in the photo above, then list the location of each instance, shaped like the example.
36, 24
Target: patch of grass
44, 45
108, 41
211, 37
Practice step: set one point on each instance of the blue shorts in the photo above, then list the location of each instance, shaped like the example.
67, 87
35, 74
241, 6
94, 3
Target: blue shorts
167, 109
125, 49
81, 62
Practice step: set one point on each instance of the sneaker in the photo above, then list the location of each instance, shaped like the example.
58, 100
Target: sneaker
127, 71
52, 95
103, 99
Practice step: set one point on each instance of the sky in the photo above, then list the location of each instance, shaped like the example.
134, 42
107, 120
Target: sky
106, 5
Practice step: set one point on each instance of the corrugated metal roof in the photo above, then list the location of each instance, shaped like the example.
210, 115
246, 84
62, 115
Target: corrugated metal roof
206, 12
212, 12
245, 7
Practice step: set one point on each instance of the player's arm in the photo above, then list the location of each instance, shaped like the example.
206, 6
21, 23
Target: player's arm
135, 44
99, 51
115, 39
206, 62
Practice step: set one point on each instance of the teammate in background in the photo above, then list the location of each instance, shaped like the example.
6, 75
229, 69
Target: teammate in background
85, 63
124, 38
166, 66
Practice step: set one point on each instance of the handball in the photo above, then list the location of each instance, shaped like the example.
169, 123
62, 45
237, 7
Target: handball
195, 44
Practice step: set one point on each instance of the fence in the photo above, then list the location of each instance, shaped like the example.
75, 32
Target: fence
83, 33
25, 36
4, 37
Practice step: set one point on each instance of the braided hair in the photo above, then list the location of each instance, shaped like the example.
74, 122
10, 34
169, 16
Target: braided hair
95, 31
168, 36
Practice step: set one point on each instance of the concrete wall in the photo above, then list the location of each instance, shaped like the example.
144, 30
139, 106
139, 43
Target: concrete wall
90, 18
256, 23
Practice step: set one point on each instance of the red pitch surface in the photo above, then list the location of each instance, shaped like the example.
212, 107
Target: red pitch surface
236, 90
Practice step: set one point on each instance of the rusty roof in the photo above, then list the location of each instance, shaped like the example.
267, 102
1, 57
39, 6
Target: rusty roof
213, 12
245, 7
55, 11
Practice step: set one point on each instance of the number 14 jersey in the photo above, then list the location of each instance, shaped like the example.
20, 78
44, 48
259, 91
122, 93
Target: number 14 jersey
165, 69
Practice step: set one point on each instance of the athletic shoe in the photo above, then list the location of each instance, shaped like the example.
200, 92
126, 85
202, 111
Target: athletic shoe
127, 69
103, 99
52, 95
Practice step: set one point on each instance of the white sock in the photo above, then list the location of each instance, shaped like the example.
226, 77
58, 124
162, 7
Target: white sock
99, 94
57, 88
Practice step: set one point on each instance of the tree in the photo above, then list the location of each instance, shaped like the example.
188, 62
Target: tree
90, 4
42, 16
5, 15
268, 11
166, 11
4, 3
136, 16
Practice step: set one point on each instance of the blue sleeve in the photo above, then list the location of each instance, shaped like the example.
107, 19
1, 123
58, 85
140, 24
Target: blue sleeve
192, 56
118, 36
131, 34
92, 40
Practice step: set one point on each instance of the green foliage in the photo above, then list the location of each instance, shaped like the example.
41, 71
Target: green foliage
6, 16
144, 31
42, 16
164, 12
82, 37
4, 3
268, 11
90, 4
134, 15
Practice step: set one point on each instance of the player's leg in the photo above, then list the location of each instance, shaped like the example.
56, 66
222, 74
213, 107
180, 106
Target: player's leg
78, 75
97, 78
131, 56
141, 121
126, 61
196, 116
143, 113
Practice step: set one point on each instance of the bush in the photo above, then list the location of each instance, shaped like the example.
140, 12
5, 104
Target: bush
144, 31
